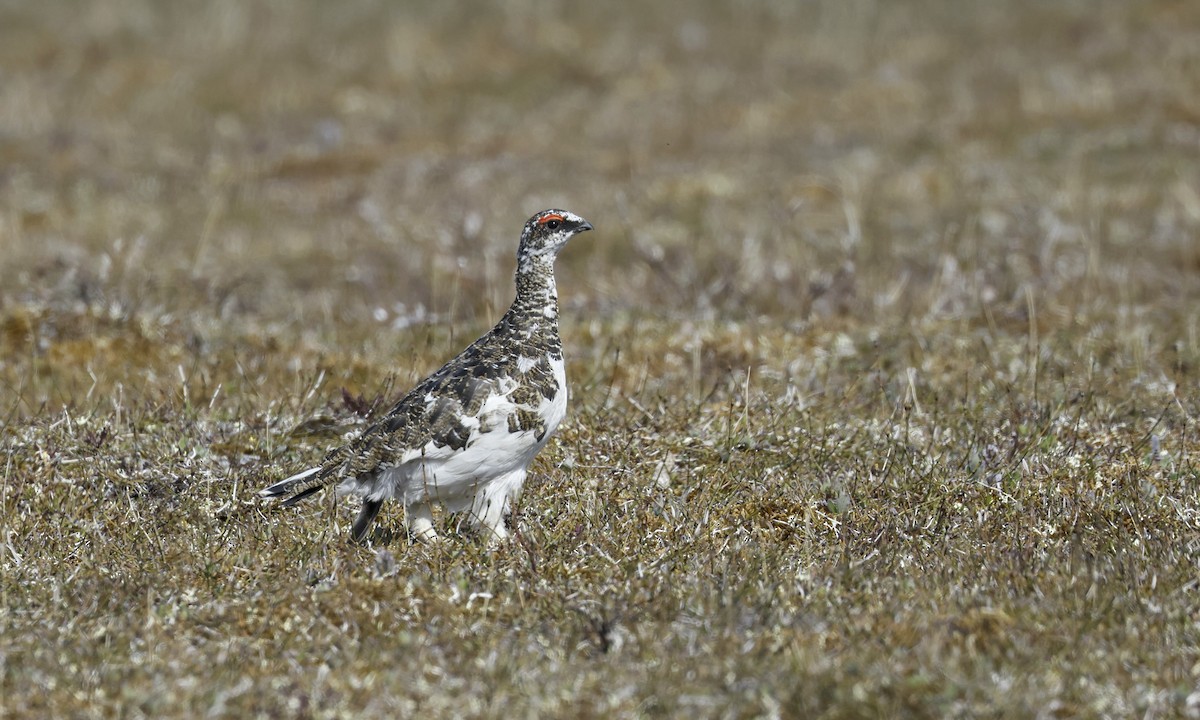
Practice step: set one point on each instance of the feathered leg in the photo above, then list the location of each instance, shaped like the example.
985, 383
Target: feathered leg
493, 502
420, 523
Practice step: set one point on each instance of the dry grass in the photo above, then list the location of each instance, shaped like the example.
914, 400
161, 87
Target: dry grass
885, 356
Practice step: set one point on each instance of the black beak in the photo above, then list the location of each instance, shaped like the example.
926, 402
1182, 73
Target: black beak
584, 227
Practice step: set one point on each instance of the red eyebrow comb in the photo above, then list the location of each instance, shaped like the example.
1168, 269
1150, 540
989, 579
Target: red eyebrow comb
552, 216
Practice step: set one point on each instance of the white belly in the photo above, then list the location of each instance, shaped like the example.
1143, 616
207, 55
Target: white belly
455, 477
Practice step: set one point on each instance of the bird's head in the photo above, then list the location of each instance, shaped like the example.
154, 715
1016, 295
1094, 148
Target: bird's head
546, 233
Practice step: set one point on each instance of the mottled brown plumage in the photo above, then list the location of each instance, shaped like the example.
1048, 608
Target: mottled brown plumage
475, 423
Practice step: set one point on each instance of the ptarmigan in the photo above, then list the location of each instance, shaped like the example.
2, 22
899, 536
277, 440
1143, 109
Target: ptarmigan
465, 436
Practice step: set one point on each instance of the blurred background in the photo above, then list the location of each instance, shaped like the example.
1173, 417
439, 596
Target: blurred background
293, 161
883, 354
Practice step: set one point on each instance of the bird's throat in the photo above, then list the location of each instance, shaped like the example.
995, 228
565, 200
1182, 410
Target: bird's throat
537, 294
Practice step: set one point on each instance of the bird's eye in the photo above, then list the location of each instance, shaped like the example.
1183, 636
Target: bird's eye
551, 220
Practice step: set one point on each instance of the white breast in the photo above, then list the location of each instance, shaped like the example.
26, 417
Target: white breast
555, 409
492, 451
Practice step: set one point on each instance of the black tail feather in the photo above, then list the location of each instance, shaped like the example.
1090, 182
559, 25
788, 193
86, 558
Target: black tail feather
284, 488
300, 496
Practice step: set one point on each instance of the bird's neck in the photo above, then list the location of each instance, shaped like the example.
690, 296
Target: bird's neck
537, 295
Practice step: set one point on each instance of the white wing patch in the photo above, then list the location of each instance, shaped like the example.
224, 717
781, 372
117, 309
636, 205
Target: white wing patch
493, 413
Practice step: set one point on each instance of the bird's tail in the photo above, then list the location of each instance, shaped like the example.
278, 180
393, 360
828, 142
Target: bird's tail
295, 488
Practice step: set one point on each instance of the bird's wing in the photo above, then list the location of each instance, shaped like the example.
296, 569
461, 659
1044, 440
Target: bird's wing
435, 419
